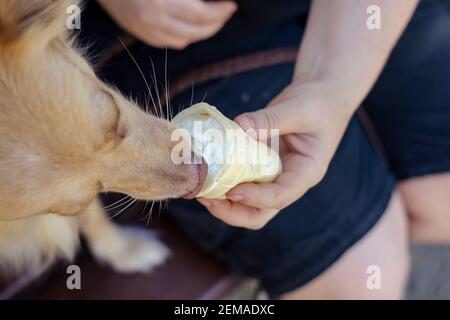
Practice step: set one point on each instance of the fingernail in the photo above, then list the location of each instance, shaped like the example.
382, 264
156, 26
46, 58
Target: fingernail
246, 122
235, 197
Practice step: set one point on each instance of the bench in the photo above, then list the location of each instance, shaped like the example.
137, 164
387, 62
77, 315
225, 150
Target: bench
189, 273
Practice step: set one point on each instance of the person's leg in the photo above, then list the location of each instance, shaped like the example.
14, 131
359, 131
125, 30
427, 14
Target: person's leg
427, 200
386, 246
324, 232
322, 245
410, 107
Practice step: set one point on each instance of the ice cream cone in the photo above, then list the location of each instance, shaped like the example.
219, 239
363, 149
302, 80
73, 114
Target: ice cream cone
233, 158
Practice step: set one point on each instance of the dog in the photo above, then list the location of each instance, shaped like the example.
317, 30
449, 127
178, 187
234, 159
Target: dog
66, 137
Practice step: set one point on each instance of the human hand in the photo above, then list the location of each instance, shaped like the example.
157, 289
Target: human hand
310, 124
170, 23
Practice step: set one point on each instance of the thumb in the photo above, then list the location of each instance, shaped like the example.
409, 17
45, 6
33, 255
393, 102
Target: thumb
277, 120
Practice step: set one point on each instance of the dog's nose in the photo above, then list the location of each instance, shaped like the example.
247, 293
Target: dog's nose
201, 167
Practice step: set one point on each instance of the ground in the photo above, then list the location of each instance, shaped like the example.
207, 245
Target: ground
430, 274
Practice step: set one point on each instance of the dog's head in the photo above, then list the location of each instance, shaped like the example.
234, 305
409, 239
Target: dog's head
65, 135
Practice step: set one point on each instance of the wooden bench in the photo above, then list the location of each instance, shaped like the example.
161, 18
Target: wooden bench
189, 274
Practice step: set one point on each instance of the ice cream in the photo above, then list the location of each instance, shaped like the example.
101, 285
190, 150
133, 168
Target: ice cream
232, 155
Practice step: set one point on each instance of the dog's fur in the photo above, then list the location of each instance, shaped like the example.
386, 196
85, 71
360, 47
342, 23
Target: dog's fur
65, 137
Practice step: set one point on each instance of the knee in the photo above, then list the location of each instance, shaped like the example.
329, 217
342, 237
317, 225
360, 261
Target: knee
428, 204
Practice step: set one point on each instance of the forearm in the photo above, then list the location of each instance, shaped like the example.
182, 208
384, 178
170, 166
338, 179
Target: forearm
339, 49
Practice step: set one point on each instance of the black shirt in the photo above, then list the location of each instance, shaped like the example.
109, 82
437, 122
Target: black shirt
256, 25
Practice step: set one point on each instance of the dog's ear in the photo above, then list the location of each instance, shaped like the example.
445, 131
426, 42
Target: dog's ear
28, 26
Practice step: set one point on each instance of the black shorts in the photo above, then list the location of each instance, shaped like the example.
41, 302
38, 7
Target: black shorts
409, 108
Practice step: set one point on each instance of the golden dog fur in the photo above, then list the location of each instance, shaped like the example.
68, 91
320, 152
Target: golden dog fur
65, 137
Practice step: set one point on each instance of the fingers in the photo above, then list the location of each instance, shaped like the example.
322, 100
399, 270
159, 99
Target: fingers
237, 214
178, 35
294, 110
165, 40
181, 30
259, 195
298, 177
277, 120
252, 205
170, 23
199, 12
191, 21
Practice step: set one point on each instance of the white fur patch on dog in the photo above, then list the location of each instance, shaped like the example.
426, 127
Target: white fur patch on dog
129, 250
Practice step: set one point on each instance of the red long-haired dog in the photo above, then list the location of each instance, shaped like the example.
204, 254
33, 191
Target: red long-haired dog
65, 137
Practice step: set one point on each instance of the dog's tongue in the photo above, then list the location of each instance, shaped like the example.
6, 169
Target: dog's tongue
202, 170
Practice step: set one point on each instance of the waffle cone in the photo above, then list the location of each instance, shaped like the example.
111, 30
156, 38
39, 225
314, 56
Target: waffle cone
245, 159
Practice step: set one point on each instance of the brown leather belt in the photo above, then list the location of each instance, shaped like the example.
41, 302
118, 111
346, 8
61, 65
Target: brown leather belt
215, 70
225, 68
